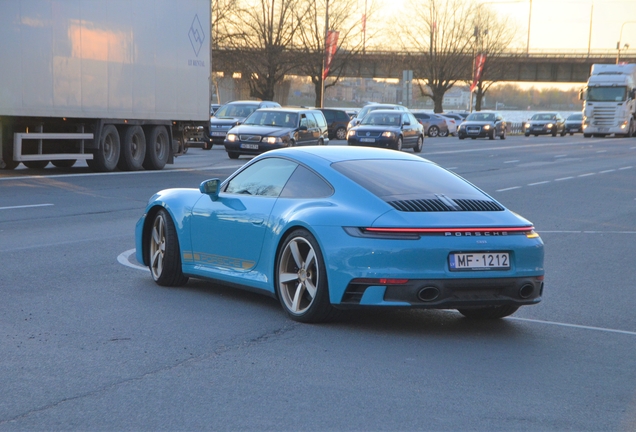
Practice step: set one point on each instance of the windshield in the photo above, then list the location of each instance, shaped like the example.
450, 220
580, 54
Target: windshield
236, 110
543, 117
384, 119
606, 94
367, 109
273, 118
481, 117
576, 117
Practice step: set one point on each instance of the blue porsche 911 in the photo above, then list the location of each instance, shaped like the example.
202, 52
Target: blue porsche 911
335, 227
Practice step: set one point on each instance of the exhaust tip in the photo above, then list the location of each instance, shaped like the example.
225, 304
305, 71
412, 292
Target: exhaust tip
526, 291
428, 294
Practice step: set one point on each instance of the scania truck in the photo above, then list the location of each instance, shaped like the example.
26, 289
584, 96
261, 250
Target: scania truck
117, 83
609, 105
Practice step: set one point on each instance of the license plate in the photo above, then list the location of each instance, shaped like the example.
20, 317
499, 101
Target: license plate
603, 129
574, 129
218, 133
479, 261
367, 139
250, 146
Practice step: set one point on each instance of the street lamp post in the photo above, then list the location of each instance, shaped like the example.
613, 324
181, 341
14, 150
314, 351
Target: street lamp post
620, 38
324, 57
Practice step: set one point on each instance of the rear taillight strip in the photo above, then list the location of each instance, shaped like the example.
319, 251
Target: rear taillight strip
443, 230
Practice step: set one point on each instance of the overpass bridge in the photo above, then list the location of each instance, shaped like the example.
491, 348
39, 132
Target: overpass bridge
567, 66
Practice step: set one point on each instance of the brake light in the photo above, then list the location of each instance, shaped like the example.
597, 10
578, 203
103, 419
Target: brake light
380, 281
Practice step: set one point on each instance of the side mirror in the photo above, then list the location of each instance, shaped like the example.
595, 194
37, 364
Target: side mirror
211, 187
581, 94
303, 128
406, 123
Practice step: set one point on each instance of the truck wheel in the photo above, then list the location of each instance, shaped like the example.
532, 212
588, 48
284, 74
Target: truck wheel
37, 164
64, 163
6, 158
106, 156
133, 149
157, 149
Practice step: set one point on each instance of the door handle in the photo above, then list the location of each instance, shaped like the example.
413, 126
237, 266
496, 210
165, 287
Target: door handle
257, 221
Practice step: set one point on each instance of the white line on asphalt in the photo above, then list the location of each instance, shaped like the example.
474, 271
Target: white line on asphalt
625, 168
601, 151
558, 156
606, 171
539, 183
25, 206
583, 327
563, 178
123, 258
510, 188
451, 168
586, 175
512, 161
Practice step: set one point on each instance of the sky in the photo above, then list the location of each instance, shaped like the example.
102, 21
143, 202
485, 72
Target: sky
564, 25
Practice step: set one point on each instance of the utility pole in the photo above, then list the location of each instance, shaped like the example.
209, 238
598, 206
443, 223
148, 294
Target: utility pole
324, 57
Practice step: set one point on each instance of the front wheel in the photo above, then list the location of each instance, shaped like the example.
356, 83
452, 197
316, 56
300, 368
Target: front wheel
587, 135
36, 164
64, 163
301, 279
341, 133
398, 144
493, 134
443, 133
165, 255
503, 134
420, 144
233, 155
489, 312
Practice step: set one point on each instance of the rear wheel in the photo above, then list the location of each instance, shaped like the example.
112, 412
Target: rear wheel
157, 148
36, 164
106, 156
489, 312
133, 149
165, 256
443, 133
301, 279
341, 133
433, 131
420, 144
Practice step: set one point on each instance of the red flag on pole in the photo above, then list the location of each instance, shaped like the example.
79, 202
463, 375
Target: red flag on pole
331, 45
480, 60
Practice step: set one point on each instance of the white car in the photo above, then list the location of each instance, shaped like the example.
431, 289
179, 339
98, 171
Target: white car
451, 123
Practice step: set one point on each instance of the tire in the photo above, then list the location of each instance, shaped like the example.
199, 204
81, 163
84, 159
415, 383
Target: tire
207, 145
398, 144
36, 164
133, 149
586, 135
106, 157
6, 156
554, 132
164, 258
461, 137
527, 134
489, 312
301, 279
503, 134
443, 134
64, 163
157, 148
563, 132
493, 134
292, 143
571, 133
233, 155
321, 142
433, 131
420, 144
341, 133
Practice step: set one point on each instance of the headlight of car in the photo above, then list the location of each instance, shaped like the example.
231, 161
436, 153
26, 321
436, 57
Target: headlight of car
486, 127
232, 137
527, 125
272, 140
388, 134
351, 133
550, 125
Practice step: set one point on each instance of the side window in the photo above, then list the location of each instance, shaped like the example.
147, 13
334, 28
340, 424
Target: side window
328, 115
311, 121
406, 119
413, 119
342, 116
320, 120
305, 184
304, 121
264, 178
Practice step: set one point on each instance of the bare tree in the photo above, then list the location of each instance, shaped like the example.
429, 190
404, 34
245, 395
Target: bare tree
491, 36
442, 44
261, 32
222, 12
345, 17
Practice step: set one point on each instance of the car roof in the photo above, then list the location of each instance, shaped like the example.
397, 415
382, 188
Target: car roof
296, 110
342, 153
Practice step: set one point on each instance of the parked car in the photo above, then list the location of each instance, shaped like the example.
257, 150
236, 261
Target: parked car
483, 124
372, 107
331, 227
433, 124
451, 124
271, 128
545, 123
231, 114
574, 123
457, 117
392, 129
337, 121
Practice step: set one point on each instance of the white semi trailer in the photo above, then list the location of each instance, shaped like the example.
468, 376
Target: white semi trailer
118, 83
609, 105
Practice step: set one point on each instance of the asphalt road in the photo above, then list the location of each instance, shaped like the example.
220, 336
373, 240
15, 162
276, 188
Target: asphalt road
89, 342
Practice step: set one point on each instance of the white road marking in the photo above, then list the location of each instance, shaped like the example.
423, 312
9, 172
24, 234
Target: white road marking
625, 168
607, 171
539, 183
560, 156
123, 259
586, 175
510, 188
601, 151
512, 161
563, 178
577, 326
451, 168
25, 206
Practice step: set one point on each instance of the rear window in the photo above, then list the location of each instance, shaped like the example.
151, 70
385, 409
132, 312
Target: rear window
393, 180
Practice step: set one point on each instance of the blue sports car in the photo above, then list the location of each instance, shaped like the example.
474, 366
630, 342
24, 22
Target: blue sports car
333, 227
